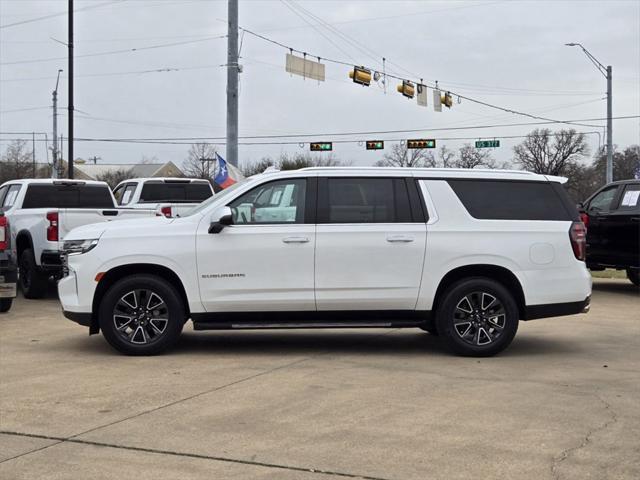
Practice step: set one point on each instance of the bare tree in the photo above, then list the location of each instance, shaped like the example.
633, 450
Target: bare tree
193, 166
253, 168
304, 160
401, 156
471, 157
114, 177
550, 153
17, 162
626, 164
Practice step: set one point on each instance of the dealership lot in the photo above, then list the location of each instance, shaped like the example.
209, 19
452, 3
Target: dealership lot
561, 402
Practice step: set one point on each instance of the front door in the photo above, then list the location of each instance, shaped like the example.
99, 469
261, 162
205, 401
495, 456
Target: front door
264, 261
599, 248
370, 250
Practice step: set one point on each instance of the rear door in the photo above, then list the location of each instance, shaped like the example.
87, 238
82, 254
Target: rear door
598, 208
370, 244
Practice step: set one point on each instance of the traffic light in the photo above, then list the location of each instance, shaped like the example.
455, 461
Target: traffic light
375, 144
361, 75
447, 100
407, 89
421, 143
321, 146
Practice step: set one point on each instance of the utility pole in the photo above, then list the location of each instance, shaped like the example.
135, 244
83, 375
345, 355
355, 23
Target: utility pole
33, 152
609, 128
232, 83
70, 95
54, 169
607, 72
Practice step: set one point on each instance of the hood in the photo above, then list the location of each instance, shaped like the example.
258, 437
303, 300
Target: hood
116, 227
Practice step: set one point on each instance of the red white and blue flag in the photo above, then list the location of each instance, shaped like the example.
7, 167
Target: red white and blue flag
223, 179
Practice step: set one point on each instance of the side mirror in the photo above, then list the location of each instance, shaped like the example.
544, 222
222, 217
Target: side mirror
224, 219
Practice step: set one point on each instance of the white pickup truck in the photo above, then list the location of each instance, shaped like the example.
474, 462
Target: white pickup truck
170, 197
41, 212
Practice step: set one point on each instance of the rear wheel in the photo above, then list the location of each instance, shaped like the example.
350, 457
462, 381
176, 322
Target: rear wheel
633, 274
477, 317
141, 315
5, 304
33, 281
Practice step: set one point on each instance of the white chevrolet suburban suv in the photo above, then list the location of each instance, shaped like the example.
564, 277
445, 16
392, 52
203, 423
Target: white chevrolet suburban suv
463, 254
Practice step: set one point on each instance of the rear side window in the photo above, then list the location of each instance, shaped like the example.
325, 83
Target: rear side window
511, 200
175, 192
368, 200
630, 200
67, 196
10, 197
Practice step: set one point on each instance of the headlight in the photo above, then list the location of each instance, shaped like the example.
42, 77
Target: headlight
76, 247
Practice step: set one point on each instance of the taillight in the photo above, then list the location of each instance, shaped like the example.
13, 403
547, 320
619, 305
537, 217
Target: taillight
52, 229
585, 218
166, 211
578, 236
4, 233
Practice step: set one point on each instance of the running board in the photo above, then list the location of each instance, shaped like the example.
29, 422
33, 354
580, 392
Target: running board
300, 320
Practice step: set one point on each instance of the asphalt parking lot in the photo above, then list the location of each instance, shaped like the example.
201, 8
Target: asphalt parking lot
561, 402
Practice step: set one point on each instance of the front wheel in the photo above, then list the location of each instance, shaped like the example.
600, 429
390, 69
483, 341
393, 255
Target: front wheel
633, 274
477, 317
141, 315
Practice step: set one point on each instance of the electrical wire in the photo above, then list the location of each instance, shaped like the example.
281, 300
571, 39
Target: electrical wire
59, 14
113, 52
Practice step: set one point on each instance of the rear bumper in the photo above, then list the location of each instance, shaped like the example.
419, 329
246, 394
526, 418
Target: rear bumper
533, 312
8, 279
51, 260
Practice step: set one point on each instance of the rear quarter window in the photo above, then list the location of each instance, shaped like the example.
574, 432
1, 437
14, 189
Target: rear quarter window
513, 200
67, 196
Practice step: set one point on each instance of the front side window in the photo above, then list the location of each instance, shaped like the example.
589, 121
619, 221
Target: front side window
281, 201
602, 201
630, 198
368, 200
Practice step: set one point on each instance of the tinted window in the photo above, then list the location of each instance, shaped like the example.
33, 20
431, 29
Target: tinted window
124, 193
630, 197
602, 201
10, 197
3, 191
368, 200
511, 200
175, 192
274, 202
67, 196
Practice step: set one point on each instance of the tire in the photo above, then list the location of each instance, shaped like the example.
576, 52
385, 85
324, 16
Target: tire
633, 274
5, 304
33, 281
141, 315
478, 317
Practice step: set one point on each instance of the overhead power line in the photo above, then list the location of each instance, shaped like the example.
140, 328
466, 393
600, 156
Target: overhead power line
59, 14
114, 52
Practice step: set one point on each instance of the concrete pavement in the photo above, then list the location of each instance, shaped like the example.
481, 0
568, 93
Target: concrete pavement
561, 402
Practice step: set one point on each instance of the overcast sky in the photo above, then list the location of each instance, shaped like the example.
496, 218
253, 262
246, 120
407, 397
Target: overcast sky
508, 53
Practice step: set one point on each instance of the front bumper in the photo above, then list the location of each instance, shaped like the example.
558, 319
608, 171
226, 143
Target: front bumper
80, 318
51, 260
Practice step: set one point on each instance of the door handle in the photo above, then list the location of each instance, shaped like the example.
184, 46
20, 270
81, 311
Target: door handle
399, 239
295, 240
635, 219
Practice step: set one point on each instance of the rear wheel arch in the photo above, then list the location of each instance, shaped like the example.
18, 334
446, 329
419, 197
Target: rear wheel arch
117, 273
502, 275
23, 241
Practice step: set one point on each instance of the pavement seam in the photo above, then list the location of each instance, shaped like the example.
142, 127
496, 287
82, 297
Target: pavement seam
60, 440
587, 439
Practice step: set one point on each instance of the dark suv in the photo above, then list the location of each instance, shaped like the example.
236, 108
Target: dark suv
612, 217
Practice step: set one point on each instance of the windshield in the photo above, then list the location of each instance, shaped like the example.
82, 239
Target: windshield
215, 198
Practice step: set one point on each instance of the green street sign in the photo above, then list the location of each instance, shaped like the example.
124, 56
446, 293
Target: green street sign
487, 143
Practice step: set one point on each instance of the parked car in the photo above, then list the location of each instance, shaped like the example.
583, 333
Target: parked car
171, 197
8, 273
464, 254
41, 212
612, 217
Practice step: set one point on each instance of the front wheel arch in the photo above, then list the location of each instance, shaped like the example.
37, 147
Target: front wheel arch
117, 273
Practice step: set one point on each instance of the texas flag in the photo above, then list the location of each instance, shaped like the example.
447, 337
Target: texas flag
223, 179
